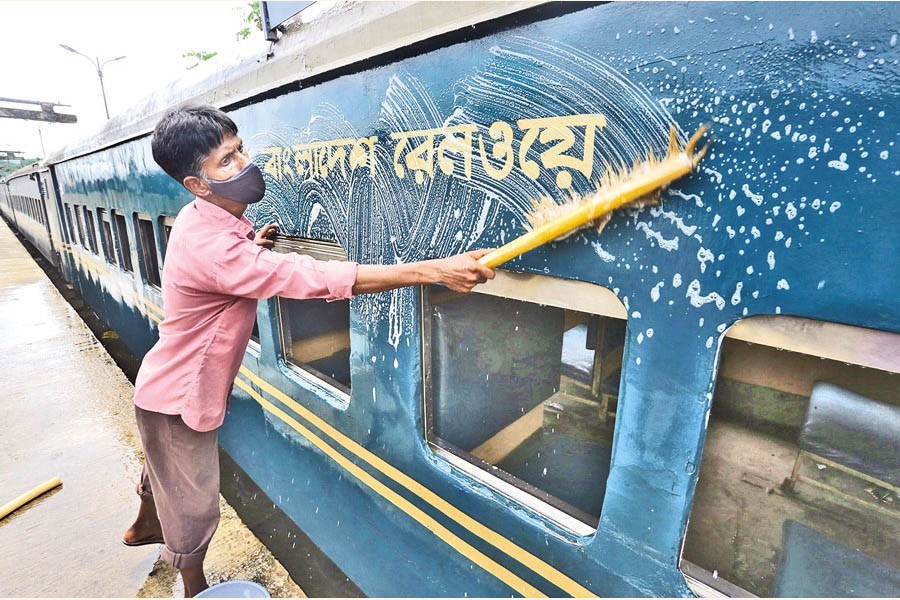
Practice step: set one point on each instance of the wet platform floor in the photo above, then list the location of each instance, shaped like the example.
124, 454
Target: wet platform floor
66, 411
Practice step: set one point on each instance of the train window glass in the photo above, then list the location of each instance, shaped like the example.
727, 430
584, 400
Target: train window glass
165, 229
106, 238
315, 334
144, 227
254, 336
72, 235
798, 486
124, 246
526, 392
81, 234
91, 230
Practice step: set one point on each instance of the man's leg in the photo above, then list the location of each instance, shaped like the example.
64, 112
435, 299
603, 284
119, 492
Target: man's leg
194, 580
146, 528
183, 469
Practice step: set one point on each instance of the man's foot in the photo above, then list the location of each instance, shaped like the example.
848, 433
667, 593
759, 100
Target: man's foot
146, 528
153, 539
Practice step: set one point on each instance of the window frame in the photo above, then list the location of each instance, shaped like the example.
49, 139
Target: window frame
320, 250
574, 295
69, 225
90, 226
79, 219
121, 225
148, 253
165, 224
106, 236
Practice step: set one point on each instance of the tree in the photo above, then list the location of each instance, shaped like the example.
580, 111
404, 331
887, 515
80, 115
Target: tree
9, 166
252, 18
200, 56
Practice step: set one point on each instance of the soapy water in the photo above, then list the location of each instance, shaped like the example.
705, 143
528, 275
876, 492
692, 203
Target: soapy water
384, 217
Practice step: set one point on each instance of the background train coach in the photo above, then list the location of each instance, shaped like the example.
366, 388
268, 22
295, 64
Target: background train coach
702, 398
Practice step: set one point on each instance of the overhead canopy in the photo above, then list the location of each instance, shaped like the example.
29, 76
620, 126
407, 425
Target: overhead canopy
47, 112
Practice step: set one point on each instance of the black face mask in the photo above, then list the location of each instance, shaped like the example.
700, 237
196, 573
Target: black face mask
247, 187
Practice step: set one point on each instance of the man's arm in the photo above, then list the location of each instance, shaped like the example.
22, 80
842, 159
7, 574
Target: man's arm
460, 273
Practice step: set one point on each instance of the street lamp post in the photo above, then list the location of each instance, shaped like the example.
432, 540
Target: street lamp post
96, 63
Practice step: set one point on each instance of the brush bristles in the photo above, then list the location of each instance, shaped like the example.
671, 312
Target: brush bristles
546, 210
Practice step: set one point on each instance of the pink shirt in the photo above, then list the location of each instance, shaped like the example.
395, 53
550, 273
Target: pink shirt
213, 275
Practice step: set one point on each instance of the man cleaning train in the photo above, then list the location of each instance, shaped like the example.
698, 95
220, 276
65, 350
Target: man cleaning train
217, 268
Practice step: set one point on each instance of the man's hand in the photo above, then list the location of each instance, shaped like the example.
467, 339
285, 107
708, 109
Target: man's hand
263, 235
463, 272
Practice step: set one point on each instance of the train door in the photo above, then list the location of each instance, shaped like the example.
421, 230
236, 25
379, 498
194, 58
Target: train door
52, 214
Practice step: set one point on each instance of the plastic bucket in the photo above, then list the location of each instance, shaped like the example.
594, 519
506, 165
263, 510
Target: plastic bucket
235, 589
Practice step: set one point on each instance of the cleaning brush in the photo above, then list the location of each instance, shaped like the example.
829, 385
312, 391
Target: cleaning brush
620, 187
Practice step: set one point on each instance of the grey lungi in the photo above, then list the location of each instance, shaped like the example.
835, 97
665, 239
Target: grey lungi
181, 474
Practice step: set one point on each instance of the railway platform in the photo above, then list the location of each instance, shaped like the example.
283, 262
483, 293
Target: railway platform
66, 411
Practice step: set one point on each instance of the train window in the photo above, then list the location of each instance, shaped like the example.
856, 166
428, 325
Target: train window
106, 238
72, 235
124, 247
165, 228
254, 336
798, 487
315, 334
527, 391
91, 231
81, 235
144, 227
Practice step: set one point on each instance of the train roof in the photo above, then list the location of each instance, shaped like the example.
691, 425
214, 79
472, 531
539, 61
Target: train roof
324, 38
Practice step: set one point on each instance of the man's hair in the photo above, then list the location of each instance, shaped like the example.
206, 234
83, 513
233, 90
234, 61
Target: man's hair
186, 135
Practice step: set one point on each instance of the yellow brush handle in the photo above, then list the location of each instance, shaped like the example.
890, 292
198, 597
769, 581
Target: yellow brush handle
29, 496
641, 184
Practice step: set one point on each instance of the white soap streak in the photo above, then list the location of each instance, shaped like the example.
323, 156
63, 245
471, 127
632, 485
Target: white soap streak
313, 215
395, 321
840, 165
704, 256
757, 199
736, 296
681, 194
657, 211
714, 173
603, 254
668, 245
697, 300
